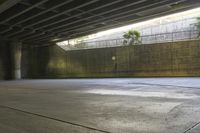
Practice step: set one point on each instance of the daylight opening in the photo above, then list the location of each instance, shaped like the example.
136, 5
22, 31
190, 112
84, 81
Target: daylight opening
175, 27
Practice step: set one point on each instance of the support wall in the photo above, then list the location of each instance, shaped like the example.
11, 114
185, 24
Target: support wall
168, 59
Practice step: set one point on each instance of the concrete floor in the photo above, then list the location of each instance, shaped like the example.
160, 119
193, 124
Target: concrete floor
143, 105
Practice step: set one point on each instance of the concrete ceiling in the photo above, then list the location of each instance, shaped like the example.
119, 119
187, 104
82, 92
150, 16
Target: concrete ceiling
43, 21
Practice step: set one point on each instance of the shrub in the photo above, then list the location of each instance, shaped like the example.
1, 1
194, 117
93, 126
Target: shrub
132, 37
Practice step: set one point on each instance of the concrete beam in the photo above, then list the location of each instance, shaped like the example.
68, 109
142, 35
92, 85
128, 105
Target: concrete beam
24, 11
8, 4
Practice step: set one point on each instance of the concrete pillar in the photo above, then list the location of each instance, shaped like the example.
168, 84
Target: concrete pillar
16, 59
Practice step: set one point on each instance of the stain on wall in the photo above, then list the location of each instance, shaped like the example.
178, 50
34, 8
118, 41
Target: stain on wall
167, 59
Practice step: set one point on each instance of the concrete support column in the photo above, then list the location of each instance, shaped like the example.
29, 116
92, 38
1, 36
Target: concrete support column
16, 59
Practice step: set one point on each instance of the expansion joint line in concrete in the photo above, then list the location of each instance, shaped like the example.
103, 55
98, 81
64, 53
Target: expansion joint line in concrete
192, 127
162, 85
55, 119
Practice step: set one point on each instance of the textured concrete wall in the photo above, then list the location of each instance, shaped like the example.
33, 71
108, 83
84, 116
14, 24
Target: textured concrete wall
170, 59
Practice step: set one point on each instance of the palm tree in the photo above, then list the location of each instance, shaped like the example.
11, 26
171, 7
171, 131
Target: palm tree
132, 37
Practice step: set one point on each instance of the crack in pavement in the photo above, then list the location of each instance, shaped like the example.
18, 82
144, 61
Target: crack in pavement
192, 127
55, 119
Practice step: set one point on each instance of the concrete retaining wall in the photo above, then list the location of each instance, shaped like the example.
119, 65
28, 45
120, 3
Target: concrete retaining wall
169, 59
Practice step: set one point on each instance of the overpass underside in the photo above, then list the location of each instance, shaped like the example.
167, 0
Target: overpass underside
41, 21
29, 30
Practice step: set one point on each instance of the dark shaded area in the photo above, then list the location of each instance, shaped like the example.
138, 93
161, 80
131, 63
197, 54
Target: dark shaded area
168, 59
5, 60
2, 1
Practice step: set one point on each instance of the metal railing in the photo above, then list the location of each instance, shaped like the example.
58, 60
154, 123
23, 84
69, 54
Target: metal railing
148, 39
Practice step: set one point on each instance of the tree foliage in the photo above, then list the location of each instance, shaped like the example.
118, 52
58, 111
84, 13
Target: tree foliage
132, 37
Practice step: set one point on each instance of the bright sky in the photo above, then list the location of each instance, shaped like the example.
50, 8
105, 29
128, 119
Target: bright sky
169, 18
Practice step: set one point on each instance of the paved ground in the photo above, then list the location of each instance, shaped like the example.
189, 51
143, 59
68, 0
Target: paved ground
143, 105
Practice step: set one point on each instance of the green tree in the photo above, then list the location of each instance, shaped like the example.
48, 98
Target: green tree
132, 37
